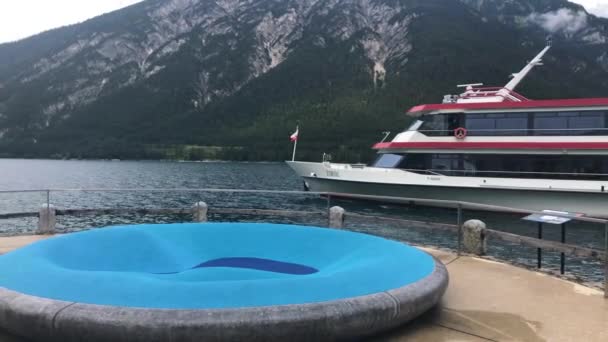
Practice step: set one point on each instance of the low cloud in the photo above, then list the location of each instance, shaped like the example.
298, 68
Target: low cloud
563, 20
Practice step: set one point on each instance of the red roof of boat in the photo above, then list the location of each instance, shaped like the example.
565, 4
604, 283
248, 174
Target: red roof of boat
590, 102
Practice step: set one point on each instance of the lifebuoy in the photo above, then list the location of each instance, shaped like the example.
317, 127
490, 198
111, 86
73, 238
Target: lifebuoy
460, 133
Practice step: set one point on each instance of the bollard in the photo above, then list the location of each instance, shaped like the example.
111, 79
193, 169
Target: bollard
47, 218
199, 212
336, 217
473, 237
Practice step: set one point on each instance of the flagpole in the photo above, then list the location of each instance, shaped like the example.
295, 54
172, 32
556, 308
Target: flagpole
295, 145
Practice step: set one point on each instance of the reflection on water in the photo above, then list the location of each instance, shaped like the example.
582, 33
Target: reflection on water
43, 174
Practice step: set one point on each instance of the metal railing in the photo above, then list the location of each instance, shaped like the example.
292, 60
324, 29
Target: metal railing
493, 91
522, 132
460, 206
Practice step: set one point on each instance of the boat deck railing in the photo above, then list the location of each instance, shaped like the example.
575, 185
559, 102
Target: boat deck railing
520, 132
477, 92
457, 227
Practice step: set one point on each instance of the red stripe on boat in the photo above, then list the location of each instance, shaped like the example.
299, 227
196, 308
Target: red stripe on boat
493, 145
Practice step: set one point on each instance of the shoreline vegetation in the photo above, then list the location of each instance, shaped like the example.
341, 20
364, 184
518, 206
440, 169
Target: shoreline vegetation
199, 153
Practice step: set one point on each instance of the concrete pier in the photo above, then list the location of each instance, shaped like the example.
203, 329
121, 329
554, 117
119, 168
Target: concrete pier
487, 300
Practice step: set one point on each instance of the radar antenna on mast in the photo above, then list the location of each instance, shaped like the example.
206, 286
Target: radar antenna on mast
469, 86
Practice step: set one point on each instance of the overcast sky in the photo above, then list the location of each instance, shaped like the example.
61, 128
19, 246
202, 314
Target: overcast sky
597, 7
23, 18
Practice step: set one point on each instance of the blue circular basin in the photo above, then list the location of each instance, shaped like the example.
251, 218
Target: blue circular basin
217, 267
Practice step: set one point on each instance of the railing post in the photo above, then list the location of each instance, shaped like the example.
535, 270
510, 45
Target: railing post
199, 212
606, 260
47, 219
336, 217
459, 222
328, 210
539, 251
562, 258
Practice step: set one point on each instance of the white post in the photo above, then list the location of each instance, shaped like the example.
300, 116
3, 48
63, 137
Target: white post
47, 219
336, 217
199, 212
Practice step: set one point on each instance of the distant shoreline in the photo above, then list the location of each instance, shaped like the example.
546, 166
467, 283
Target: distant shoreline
149, 160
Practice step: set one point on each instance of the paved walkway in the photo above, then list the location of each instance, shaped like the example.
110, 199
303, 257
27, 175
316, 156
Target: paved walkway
489, 301
7, 244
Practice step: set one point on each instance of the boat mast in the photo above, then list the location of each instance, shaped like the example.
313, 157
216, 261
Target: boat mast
475, 94
518, 77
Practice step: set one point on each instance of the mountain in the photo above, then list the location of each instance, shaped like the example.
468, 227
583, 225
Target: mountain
230, 79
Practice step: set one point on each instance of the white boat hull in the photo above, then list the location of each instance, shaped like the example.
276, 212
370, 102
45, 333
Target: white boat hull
366, 183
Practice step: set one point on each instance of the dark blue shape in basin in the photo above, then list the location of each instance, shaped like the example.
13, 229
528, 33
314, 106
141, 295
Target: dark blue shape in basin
257, 264
261, 265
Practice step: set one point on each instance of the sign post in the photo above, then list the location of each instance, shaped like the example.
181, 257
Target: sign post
556, 218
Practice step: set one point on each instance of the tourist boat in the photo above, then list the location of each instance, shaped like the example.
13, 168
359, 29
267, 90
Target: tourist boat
490, 146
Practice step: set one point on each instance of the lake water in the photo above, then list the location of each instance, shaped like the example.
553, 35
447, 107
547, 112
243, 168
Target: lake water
44, 174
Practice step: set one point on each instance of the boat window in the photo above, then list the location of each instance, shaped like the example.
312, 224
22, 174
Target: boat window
455, 121
517, 124
480, 124
497, 124
570, 123
590, 167
512, 124
469, 168
445, 162
434, 125
549, 123
587, 123
388, 160
415, 161
441, 124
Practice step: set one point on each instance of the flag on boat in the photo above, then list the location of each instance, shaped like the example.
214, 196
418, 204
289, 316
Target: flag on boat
294, 136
